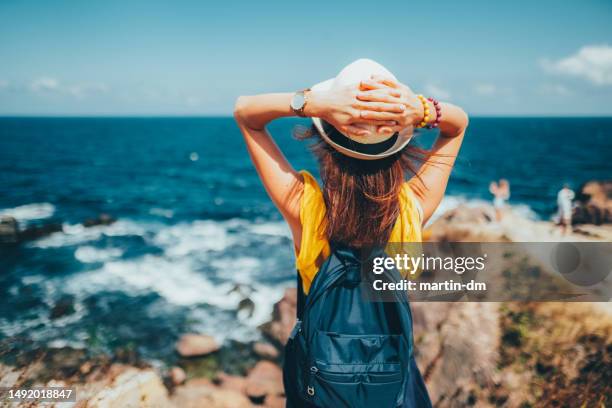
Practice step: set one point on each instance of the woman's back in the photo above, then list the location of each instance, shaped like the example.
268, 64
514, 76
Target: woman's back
314, 245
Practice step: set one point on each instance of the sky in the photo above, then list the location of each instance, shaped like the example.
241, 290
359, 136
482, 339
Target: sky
195, 57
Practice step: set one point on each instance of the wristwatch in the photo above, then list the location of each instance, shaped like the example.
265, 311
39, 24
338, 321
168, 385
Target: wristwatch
299, 101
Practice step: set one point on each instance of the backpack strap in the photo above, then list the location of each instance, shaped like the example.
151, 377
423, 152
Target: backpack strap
301, 297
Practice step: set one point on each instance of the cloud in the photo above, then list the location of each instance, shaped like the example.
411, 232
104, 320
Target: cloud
554, 89
437, 92
49, 84
44, 84
591, 62
485, 89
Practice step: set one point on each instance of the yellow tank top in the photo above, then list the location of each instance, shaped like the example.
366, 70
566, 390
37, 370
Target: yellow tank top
315, 247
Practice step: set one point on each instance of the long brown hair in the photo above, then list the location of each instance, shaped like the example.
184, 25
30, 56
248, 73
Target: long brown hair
361, 196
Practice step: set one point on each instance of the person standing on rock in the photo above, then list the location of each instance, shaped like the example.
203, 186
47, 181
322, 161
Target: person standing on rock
564, 203
501, 194
363, 120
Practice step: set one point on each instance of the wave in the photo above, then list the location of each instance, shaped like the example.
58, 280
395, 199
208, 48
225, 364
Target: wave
226, 275
450, 202
29, 212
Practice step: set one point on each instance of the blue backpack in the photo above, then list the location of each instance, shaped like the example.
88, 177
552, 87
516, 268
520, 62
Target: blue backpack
347, 349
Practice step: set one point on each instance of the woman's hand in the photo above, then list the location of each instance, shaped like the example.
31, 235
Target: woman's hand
345, 111
380, 89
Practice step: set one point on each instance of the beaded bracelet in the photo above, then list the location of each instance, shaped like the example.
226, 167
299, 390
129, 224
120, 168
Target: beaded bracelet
438, 113
425, 111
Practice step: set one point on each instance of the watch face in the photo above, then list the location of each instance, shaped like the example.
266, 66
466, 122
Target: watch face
297, 102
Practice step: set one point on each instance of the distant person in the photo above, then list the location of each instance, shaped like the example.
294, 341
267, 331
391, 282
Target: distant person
363, 121
564, 202
501, 194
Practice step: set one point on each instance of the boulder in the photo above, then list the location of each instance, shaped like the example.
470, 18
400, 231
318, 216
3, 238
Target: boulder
283, 318
9, 230
265, 379
177, 375
266, 350
594, 203
465, 224
132, 388
193, 345
230, 382
63, 307
36, 232
197, 395
102, 219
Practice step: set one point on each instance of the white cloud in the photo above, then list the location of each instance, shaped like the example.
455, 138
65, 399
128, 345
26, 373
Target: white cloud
81, 90
591, 62
485, 89
437, 92
554, 89
49, 84
44, 84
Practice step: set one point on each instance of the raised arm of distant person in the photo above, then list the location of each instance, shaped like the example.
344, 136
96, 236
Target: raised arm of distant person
341, 109
429, 184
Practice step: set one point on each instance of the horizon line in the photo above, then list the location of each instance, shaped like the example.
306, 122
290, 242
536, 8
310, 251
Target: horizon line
227, 116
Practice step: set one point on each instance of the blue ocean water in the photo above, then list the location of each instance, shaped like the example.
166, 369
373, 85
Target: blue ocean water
196, 233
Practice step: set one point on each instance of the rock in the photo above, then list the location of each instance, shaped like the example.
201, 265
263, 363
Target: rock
283, 318
9, 230
37, 232
452, 360
594, 203
231, 382
246, 307
266, 350
102, 219
177, 375
132, 388
192, 345
63, 307
275, 401
197, 395
266, 378
465, 223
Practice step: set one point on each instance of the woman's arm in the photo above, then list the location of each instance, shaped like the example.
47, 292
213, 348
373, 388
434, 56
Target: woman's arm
341, 109
431, 180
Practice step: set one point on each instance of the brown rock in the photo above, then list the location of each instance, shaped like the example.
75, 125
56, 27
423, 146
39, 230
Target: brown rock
9, 230
102, 219
231, 382
283, 318
275, 401
594, 203
177, 375
266, 350
192, 345
195, 395
265, 379
132, 388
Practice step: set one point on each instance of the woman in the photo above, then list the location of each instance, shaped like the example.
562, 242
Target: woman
364, 119
501, 194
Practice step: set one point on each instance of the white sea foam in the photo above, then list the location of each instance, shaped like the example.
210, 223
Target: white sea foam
75, 234
28, 212
89, 254
450, 202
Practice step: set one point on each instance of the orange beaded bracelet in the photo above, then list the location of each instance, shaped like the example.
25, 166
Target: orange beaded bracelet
426, 116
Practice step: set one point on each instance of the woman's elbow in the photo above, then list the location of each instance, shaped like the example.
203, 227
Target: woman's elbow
239, 108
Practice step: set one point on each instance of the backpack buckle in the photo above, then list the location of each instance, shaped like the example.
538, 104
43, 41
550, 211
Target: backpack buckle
310, 390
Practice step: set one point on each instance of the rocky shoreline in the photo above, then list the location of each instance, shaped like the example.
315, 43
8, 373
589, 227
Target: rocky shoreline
470, 354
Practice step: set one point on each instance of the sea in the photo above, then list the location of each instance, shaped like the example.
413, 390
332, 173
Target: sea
196, 236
